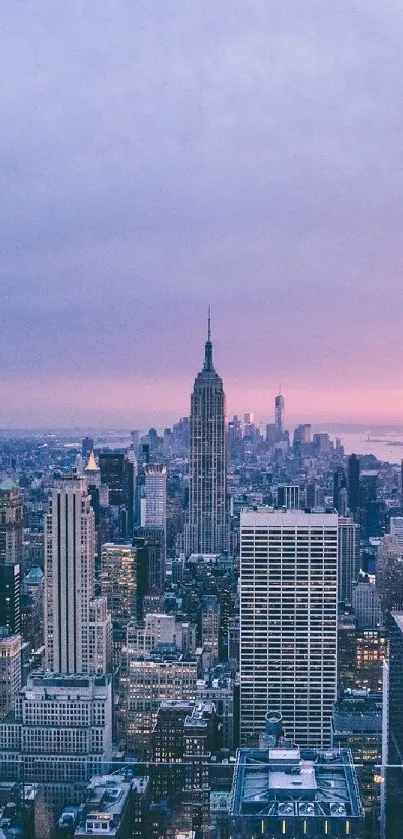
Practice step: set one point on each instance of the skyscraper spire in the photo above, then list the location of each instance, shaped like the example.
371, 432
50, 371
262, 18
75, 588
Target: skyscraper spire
207, 529
208, 351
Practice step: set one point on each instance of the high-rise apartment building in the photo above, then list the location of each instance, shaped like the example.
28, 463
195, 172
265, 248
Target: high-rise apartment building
10, 597
396, 529
117, 472
149, 681
119, 582
353, 483
10, 555
288, 622
389, 573
366, 605
349, 557
72, 618
155, 487
10, 671
392, 730
155, 542
207, 529
210, 626
10, 523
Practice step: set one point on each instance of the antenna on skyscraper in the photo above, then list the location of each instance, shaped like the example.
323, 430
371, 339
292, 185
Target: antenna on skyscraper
209, 324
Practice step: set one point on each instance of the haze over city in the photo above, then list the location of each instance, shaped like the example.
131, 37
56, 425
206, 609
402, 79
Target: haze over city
158, 157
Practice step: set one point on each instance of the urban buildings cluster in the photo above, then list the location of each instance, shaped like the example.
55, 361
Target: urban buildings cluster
201, 632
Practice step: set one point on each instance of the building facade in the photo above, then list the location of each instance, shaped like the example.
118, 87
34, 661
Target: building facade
69, 583
288, 622
349, 557
10, 672
60, 732
207, 527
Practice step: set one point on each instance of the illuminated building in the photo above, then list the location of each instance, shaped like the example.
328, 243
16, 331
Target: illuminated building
165, 674
288, 622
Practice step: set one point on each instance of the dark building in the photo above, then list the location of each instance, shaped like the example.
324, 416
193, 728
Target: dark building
346, 648
142, 562
200, 740
115, 806
154, 538
339, 483
353, 483
393, 729
357, 725
310, 495
168, 744
87, 446
10, 602
118, 473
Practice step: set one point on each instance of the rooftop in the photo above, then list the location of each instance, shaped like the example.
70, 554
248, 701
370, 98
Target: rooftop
290, 782
106, 801
275, 517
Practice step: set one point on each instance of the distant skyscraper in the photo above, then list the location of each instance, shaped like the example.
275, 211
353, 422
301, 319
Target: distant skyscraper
71, 613
10, 523
279, 414
10, 672
10, 597
154, 536
288, 622
10, 555
207, 529
339, 483
87, 447
349, 557
288, 496
119, 582
302, 437
353, 483
117, 471
396, 529
155, 487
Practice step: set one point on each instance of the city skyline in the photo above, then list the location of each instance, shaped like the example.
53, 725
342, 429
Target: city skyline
154, 159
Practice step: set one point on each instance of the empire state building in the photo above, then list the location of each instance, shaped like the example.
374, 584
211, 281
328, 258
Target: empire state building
207, 527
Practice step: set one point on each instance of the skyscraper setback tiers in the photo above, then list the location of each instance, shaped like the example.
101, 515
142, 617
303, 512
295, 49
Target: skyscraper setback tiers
207, 527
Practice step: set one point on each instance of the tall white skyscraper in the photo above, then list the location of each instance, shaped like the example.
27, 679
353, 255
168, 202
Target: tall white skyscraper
74, 620
207, 528
155, 487
288, 622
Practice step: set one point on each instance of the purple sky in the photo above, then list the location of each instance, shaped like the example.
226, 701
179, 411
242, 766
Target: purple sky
159, 156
